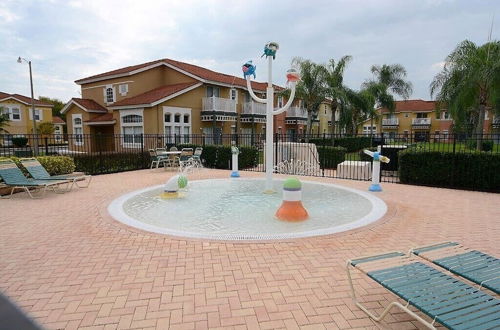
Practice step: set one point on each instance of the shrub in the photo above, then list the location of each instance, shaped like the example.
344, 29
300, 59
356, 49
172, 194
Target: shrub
476, 171
330, 157
351, 144
111, 162
57, 165
20, 141
486, 144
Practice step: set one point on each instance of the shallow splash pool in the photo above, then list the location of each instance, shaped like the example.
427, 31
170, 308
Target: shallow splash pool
236, 209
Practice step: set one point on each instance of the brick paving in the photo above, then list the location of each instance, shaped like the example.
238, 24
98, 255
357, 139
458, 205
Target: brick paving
69, 265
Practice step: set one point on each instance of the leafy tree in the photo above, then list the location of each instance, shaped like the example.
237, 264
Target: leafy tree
57, 106
469, 82
389, 80
45, 128
4, 121
311, 88
336, 91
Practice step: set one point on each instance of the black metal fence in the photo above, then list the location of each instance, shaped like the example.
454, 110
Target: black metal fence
325, 155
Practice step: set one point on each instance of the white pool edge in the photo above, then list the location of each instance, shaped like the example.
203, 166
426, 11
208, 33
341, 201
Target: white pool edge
379, 208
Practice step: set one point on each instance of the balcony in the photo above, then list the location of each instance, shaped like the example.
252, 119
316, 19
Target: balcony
253, 112
296, 112
390, 123
422, 123
296, 115
223, 109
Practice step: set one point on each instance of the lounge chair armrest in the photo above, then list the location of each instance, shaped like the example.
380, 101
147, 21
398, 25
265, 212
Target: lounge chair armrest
436, 246
360, 260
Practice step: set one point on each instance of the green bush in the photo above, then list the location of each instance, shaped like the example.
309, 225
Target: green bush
351, 144
330, 157
475, 171
486, 144
20, 141
57, 165
111, 162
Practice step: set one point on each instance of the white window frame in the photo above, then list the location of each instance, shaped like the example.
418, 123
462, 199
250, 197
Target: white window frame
123, 89
213, 88
8, 110
173, 111
125, 113
76, 140
38, 112
105, 92
233, 94
280, 101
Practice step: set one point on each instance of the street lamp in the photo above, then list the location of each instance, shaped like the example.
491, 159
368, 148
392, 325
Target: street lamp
35, 136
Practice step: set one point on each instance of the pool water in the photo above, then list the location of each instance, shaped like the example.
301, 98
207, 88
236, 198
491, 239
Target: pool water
237, 209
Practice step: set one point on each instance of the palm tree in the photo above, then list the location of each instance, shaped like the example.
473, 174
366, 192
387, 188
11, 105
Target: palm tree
311, 87
389, 80
336, 90
469, 82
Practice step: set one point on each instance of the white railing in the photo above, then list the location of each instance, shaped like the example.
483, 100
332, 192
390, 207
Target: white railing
218, 104
254, 108
421, 121
296, 112
390, 122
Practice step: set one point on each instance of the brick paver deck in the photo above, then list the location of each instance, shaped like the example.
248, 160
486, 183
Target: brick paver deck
69, 265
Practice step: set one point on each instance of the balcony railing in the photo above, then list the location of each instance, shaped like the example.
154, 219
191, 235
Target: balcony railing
421, 121
254, 108
296, 112
218, 104
390, 122
496, 122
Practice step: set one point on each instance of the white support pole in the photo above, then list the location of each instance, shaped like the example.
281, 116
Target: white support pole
375, 186
269, 128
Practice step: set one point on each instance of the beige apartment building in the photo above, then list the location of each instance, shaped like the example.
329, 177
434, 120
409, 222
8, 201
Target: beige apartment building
172, 98
18, 109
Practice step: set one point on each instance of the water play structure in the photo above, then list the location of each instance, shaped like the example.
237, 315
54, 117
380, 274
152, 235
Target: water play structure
228, 209
292, 78
377, 158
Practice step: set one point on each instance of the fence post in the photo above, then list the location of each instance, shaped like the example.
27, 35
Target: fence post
46, 140
142, 151
454, 141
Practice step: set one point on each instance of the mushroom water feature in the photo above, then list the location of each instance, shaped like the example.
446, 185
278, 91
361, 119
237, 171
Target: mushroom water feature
292, 77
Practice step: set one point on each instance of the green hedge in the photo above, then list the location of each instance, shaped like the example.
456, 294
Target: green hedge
486, 144
330, 157
351, 144
475, 171
219, 156
55, 165
111, 162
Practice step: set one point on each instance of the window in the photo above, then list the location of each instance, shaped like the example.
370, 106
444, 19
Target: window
247, 97
132, 127
77, 130
280, 101
123, 89
233, 94
109, 94
38, 114
422, 115
180, 126
407, 115
445, 115
213, 91
367, 130
12, 113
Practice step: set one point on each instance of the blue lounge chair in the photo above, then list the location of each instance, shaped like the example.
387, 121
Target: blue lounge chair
14, 177
445, 299
38, 172
473, 265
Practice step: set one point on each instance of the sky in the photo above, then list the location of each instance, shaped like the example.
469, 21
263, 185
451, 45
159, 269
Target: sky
69, 40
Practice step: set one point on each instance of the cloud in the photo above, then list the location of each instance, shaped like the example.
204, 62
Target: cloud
68, 40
